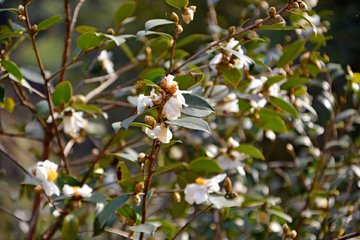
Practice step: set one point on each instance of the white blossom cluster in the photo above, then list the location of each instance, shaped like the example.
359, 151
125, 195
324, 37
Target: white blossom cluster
73, 120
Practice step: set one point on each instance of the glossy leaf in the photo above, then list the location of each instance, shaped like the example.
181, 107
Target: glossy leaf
70, 227
205, 166
8, 104
274, 79
180, 4
126, 156
272, 123
191, 123
125, 180
188, 80
127, 212
197, 106
250, 150
278, 26
118, 40
84, 29
91, 109
314, 28
96, 197
291, 52
144, 33
222, 202
232, 76
111, 207
285, 106
62, 93
145, 227
48, 22
280, 214
294, 82
89, 40
157, 22
124, 11
11, 68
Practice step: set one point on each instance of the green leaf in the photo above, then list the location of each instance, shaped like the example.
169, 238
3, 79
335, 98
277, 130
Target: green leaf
153, 74
62, 93
4, 35
31, 181
250, 150
91, 109
197, 106
280, 214
124, 11
291, 52
156, 22
222, 202
70, 228
287, 107
42, 108
262, 64
69, 180
314, 28
84, 29
294, 82
32, 75
126, 156
111, 207
8, 104
14, 10
127, 212
145, 227
188, 80
189, 39
273, 123
89, 40
170, 167
165, 145
125, 180
118, 40
144, 33
272, 80
96, 197
180, 4
232, 76
191, 123
278, 26
48, 22
205, 166
11, 68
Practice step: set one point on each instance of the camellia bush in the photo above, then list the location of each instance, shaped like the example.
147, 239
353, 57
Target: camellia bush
213, 132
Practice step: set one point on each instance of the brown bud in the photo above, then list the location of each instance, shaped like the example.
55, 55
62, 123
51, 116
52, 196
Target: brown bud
95, 152
139, 187
176, 196
335, 193
80, 99
21, 18
231, 30
33, 30
303, 5
227, 184
131, 233
292, 234
286, 229
110, 31
77, 204
258, 21
136, 199
121, 219
232, 194
174, 17
295, 5
178, 29
279, 19
272, 12
39, 189
130, 222
141, 157
149, 120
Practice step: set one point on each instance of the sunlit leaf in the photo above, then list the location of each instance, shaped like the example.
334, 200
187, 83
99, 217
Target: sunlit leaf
84, 29
48, 22
144, 33
8, 104
12, 69
70, 227
89, 40
191, 123
314, 28
250, 150
285, 106
291, 52
111, 207
294, 82
124, 11
222, 202
180, 4
197, 106
62, 93
145, 227
157, 22
188, 80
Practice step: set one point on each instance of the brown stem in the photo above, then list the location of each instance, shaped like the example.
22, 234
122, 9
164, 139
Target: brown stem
12, 158
351, 235
34, 216
21, 136
226, 38
173, 47
52, 229
67, 38
192, 219
11, 214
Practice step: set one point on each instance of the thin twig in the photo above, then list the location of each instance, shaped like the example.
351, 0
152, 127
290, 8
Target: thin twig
12, 158
192, 219
20, 136
67, 38
351, 235
11, 214
34, 215
120, 233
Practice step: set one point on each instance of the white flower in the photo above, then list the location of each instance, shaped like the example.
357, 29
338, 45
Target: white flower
311, 3
231, 160
172, 108
106, 63
56, 116
256, 85
169, 85
143, 103
229, 104
232, 143
160, 131
188, 15
215, 61
262, 217
77, 192
73, 121
47, 172
232, 43
199, 192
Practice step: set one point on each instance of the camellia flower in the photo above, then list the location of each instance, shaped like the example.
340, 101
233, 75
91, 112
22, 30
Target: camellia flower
160, 131
73, 121
77, 192
106, 63
143, 103
172, 108
199, 192
188, 14
229, 104
169, 85
47, 172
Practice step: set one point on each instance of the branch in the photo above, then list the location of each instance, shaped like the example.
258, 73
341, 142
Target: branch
192, 219
351, 235
3, 149
11, 214
20, 136
67, 38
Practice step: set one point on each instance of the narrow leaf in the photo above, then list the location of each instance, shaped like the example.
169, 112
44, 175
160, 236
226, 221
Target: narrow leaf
12, 69
62, 93
191, 123
222, 202
111, 207
250, 150
144, 33
145, 227
156, 22
314, 28
291, 52
287, 107
278, 26
124, 11
48, 22
197, 106
294, 82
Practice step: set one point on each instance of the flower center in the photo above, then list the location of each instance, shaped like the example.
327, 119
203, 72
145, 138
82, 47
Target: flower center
76, 194
200, 181
33, 170
52, 175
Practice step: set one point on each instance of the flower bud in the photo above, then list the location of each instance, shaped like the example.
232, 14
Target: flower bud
174, 17
33, 30
176, 196
178, 29
39, 189
258, 21
77, 204
303, 5
121, 219
130, 222
286, 229
227, 184
272, 12
188, 14
141, 157
131, 233
292, 234
21, 18
136, 199
279, 19
232, 194
295, 5
149, 120
110, 31
231, 30
139, 187
193, 8
21, 8
80, 99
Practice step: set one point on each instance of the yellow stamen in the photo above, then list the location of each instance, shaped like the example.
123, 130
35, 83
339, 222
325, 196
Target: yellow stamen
33, 170
52, 175
76, 194
200, 181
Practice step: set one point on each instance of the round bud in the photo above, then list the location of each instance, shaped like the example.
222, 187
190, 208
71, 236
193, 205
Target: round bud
149, 120
231, 30
292, 234
136, 199
303, 5
131, 233
286, 229
272, 12
34, 29
232, 194
178, 29
174, 17
290, 148
21, 8
193, 8
77, 204
295, 5
39, 189
21, 18
110, 31
130, 222
121, 219
139, 187
227, 184
141, 157
80, 99
259, 21
176, 196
